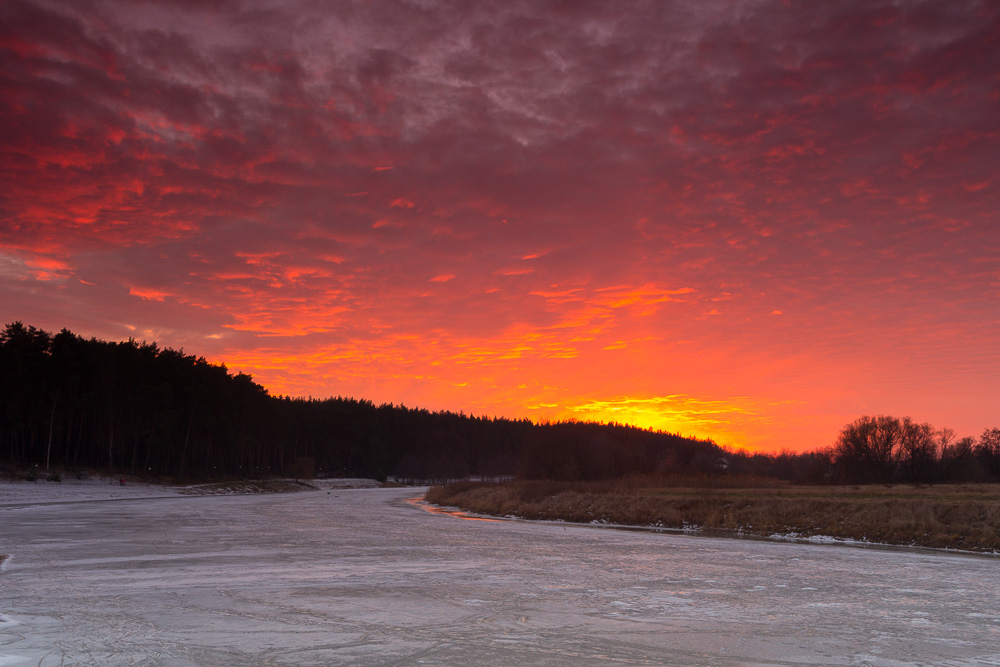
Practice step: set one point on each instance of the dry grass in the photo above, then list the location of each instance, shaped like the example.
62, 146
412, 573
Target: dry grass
954, 516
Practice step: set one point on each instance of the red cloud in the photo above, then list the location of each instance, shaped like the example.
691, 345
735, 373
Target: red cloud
352, 199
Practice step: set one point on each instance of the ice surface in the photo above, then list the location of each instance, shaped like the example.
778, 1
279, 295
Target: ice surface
363, 577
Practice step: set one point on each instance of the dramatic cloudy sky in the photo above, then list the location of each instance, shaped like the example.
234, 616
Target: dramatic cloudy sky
751, 220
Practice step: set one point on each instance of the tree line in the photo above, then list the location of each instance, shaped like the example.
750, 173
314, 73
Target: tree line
883, 449
69, 403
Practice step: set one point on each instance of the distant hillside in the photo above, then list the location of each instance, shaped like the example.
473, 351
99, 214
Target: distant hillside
70, 403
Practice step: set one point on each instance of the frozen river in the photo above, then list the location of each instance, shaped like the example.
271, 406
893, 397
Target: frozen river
363, 577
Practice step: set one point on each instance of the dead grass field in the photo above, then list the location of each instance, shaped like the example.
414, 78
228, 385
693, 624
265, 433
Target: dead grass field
965, 517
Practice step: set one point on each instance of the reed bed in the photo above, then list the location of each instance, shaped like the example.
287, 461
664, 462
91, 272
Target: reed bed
965, 517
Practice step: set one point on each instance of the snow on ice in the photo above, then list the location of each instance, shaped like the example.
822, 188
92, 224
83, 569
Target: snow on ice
361, 576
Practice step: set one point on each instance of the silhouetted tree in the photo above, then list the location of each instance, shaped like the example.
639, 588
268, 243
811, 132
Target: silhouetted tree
132, 406
68, 402
958, 460
868, 448
988, 450
917, 451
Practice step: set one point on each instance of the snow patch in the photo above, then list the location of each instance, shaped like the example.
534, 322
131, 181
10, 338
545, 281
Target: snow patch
13, 660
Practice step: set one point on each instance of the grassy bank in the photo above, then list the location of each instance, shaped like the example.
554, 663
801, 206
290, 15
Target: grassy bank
946, 516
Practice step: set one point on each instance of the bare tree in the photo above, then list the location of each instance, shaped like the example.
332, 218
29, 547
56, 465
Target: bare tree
989, 450
917, 451
958, 460
868, 448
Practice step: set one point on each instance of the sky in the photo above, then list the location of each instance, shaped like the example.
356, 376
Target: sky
751, 221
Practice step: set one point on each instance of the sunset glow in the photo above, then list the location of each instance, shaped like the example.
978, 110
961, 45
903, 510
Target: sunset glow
745, 221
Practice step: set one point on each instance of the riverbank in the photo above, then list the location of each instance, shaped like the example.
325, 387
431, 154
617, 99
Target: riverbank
72, 489
364, 578
963, 517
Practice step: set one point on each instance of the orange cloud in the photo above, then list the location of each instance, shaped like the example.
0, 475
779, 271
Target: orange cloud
423, 226
149, 294
724, 420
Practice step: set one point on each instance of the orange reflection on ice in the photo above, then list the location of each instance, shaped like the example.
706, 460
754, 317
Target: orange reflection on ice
418, 501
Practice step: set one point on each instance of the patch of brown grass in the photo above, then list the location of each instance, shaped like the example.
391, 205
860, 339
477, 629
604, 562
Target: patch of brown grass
954, 516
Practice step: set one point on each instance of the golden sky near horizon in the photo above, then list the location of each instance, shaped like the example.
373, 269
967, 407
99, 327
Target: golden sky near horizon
748, 221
